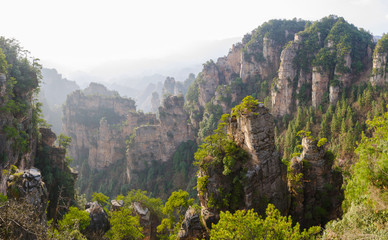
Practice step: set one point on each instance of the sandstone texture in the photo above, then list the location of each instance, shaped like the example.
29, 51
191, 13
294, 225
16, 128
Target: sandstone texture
265, 176
107, 131
315, 187
283, 85
379, 72
262, 178
320, 85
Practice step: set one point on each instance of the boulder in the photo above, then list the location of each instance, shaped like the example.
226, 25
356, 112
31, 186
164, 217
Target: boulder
192, 228
99, 221
116, 205
27, 185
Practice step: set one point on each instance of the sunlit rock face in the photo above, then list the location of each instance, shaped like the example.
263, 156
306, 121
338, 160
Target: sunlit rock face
379, 72
282, 87
262, 173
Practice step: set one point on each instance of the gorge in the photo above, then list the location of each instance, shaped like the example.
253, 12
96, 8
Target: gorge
292, 122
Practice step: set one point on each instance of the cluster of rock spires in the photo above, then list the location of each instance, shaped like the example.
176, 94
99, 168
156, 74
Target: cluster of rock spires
107, 129
266, 179
287, 68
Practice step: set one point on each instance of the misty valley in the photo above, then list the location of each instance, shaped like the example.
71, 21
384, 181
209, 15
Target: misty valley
283, 137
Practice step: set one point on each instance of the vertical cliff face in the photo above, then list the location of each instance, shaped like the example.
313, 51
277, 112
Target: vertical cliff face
109, 136
58, 176
261, 59
323, 60
95, 122
209, 82
379, 74
315, 187
157, 142
282, 88
19, 79
266, 174
320, 84
254, 180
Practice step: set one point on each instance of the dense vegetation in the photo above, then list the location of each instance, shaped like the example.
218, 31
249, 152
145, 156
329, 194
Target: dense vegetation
366, 195
249, 225
18, 107
272, 30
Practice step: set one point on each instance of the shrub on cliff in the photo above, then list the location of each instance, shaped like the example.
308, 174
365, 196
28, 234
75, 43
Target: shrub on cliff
174, 210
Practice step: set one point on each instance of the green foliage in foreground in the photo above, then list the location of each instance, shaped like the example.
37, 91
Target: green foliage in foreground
366, 194
249, 225
75, 218
100, 198
71, 226
174, 210
155, 205
124, 225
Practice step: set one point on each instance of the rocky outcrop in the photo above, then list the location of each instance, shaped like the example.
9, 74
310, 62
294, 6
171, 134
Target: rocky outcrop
282, 89
260, 61
99, 89
155, 102
168, 86
315, 187
96, 125
266, 174
99, 221
159, 142
262, 174
320, 85
192, 227
209, 82
18, 135
333, 94
109, 135
380, 69
27, 185
230, 65
116, 205
60, 178
148, 220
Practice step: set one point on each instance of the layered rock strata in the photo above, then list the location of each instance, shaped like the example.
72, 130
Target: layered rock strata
282, 89
380, 68
263, 175
107, 131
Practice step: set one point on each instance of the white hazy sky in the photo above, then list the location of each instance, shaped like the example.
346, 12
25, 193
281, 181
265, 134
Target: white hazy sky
79, 34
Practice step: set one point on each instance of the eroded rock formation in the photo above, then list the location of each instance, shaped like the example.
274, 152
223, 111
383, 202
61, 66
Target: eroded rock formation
99, 221
253, 182
109, 135
27, 185
315, 187
192, 228
380, 67
283, 85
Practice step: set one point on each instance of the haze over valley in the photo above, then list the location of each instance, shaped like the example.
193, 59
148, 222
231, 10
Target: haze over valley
194, 120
